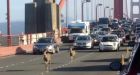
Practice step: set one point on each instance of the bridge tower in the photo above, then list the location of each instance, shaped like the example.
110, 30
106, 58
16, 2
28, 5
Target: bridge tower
118, 9
135, 9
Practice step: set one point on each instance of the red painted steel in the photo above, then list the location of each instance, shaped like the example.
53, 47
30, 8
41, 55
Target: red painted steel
118, 9
8, 24
61, 4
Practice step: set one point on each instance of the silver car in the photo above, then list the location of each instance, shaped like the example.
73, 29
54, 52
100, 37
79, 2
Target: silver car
45, 44
83, 41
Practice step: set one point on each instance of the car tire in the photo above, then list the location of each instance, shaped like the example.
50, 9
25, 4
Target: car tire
100, 50
57, 49
34, 53
117, 48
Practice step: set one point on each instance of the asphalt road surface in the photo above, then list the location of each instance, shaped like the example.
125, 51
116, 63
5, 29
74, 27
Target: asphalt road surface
87, 62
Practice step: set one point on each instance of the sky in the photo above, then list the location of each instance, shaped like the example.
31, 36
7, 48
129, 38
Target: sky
18, 10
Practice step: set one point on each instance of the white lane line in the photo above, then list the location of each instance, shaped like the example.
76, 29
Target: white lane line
22, 62
6, 66
12, 64
72, 62
1, 67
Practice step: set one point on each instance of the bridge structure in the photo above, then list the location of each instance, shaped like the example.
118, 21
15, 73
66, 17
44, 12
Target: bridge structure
87, 61
119, 8
135, 9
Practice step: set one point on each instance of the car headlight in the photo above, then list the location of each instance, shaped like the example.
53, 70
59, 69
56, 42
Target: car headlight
95, 40
88, 43
49, 47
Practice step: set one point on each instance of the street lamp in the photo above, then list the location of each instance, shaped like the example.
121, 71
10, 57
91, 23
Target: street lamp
105, 10
111, 9
97, 10
82, 8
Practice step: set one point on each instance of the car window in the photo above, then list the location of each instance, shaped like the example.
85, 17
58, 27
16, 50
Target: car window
83, 38
109, 39
45, 40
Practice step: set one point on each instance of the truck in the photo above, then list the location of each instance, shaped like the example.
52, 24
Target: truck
103, 23
78, 28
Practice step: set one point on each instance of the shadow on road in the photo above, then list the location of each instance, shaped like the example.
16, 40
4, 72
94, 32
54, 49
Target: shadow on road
103, 60
85, 68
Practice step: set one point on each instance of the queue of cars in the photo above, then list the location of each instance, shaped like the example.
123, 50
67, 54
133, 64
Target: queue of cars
110, 37
104, 35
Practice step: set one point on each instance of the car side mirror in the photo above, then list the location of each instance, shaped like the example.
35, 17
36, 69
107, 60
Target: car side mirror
116, 66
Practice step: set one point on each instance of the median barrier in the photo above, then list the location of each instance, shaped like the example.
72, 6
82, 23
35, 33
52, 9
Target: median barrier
13, 50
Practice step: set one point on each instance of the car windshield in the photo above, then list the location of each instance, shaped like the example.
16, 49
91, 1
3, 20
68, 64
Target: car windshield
105, 29
93, 35
45, 40
118, 33
83, 38
101, 33
76, 30
109, 39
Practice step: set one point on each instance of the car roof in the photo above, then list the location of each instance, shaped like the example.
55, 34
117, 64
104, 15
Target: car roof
108, 35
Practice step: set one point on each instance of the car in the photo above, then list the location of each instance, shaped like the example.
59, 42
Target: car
83, 41
109, 42
133, 64
100, 34
106, 30
95, 39
121, 35
45, 43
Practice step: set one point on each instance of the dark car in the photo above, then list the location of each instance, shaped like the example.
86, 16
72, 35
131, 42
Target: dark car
133, 65
45, 43
95, 39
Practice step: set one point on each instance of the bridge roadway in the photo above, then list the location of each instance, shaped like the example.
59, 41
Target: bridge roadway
87, 62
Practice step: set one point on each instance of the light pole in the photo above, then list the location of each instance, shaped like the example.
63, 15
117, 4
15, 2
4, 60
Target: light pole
82, 8
75, 10
105, 10
110, 14
97, 10
67, 13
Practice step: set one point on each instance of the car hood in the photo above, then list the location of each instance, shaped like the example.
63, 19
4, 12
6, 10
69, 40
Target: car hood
77, 34
83, 41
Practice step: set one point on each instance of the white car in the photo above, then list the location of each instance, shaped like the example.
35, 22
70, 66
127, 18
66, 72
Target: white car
83, 41
109, 42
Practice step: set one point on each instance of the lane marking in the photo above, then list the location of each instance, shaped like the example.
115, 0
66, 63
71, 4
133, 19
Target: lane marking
22, 62
35, 59
61, 66
6, 66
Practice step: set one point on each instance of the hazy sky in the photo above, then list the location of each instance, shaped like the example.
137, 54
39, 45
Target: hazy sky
17, 9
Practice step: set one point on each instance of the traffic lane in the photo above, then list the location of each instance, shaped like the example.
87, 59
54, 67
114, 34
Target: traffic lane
22, 58
59, 60
34, 67
93, 64
37, 67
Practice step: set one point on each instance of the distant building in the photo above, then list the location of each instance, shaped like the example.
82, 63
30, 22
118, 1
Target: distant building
42, 16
